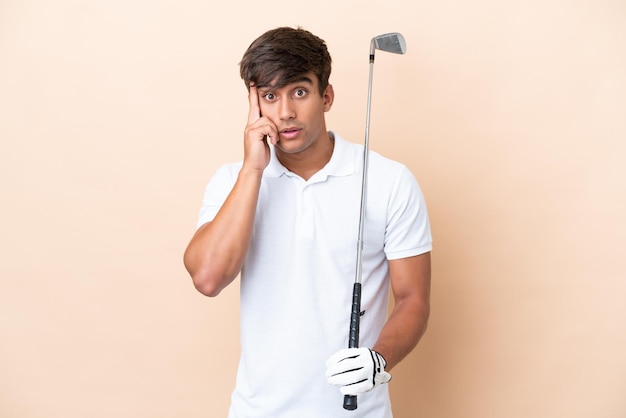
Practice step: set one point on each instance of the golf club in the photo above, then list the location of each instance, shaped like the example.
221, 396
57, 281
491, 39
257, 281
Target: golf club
394, 43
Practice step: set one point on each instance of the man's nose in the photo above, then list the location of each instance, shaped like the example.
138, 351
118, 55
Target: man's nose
287, 109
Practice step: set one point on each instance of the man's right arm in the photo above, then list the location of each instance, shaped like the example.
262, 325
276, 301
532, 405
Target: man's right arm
217, 250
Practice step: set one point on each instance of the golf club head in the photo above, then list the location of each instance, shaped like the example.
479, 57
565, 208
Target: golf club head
389, 42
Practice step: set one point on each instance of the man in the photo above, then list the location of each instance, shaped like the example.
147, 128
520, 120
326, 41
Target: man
286, 218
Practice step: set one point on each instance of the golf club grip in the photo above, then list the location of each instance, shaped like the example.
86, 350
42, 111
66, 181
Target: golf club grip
355, 316
349, 401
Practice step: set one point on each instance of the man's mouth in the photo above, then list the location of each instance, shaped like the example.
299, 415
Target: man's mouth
289, 133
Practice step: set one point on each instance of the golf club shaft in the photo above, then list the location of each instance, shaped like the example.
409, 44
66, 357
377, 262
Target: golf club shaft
350, 401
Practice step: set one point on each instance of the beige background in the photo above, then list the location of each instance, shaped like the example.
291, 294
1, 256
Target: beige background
114, 114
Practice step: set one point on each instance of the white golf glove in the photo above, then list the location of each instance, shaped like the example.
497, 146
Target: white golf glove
356, 370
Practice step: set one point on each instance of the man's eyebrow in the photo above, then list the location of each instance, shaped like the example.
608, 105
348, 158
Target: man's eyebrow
303, 79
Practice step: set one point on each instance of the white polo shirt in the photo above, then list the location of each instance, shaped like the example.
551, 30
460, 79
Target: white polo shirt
296, 284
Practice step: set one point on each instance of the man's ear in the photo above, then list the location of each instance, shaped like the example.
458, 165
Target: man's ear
329, 97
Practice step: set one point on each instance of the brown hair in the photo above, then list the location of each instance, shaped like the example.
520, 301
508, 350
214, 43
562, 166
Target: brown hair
284, 55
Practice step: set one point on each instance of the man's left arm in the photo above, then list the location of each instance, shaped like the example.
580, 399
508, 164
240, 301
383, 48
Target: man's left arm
358, 370
410, 285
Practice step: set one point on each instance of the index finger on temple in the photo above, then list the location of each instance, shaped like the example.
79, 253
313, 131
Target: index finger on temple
255, 109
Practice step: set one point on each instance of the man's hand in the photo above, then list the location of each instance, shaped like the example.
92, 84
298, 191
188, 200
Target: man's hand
356, 370
258, 131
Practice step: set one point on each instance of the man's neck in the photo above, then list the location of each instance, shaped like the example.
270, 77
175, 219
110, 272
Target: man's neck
307, 163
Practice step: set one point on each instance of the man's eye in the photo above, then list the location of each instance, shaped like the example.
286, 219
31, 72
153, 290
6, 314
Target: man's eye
269, 96
300, 93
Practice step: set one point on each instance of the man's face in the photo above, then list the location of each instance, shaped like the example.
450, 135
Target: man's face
297, 109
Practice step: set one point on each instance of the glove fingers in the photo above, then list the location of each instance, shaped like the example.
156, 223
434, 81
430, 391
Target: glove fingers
356, 370
344, 374
342, 379
343, 354
344, 366
356, 388
365, 385
348, 362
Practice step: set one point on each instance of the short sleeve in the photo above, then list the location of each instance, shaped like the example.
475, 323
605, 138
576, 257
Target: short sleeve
216, 192
408, 226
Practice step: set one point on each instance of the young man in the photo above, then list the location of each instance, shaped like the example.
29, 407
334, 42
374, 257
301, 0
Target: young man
286, 219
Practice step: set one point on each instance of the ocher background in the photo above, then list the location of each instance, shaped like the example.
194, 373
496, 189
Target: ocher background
114, 114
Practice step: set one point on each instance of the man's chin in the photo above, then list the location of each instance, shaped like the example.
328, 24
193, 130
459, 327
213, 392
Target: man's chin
289, 146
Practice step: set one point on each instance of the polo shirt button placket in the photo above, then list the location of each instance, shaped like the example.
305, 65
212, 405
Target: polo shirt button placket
306, 213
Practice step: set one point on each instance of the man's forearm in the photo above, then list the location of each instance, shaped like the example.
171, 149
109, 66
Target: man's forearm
402, 332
